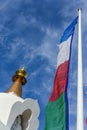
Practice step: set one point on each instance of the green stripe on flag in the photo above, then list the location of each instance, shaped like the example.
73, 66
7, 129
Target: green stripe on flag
56, 114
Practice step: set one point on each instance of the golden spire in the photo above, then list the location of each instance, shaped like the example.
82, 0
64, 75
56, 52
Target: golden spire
19, 79
21, 72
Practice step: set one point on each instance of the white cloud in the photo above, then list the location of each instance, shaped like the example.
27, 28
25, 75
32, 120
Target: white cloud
48, 45
73, 127
46, 49
35, 73
34, 91
47, 86
48, 69
84, 76
4, 3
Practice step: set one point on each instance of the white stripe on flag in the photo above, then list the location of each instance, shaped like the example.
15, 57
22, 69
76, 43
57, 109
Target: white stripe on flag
64, 51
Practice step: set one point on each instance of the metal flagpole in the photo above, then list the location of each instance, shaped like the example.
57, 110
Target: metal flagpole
80, 80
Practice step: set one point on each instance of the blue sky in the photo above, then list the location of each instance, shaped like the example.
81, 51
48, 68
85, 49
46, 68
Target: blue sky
30, 31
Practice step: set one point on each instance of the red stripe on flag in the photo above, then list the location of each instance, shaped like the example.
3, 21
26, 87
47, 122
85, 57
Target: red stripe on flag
60, 81
86, 121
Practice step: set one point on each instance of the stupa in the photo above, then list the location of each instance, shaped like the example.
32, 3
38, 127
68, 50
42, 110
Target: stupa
17, 113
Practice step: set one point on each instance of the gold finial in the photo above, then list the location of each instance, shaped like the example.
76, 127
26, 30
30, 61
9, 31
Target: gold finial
21, 72
19, 79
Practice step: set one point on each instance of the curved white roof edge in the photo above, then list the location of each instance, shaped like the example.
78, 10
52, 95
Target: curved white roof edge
11, 106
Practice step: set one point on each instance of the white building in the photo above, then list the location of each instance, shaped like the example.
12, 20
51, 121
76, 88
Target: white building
15, 112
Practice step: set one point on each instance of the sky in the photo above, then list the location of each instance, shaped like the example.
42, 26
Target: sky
30, 31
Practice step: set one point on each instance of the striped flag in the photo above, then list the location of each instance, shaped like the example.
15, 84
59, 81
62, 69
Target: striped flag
86, 121
57, 107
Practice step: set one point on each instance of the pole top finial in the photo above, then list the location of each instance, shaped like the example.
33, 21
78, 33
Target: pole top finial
19, 79
21, 72
79, 9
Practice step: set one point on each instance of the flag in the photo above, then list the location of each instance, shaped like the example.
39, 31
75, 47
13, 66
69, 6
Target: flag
57, 111
86, 121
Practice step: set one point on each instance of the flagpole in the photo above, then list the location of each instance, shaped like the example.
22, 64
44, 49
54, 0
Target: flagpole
80, 80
